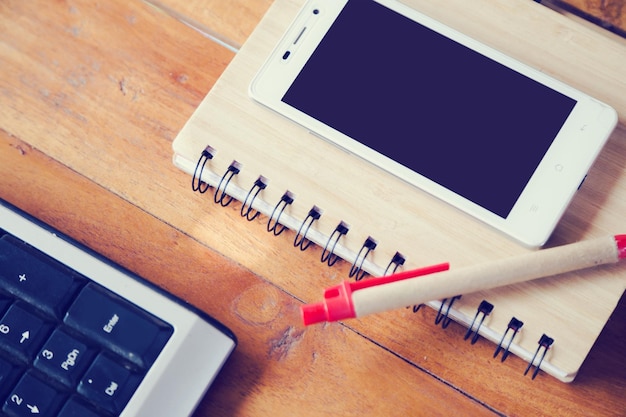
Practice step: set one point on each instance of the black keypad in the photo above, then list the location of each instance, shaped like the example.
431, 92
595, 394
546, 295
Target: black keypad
68, 346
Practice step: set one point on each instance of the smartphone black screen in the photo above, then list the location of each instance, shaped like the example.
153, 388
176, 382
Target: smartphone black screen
431, 104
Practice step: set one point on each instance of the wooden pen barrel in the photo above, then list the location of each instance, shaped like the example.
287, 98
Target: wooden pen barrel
507, 271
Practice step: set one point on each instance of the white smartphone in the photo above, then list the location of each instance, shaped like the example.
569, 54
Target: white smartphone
493, 137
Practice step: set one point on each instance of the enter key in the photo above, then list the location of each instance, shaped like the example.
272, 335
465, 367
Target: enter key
118, 325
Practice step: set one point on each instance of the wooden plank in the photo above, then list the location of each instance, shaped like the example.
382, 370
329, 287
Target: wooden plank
229, 21
608, 14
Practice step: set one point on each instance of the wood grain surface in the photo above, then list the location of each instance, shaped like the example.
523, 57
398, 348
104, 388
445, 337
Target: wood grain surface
608, 14
92, 94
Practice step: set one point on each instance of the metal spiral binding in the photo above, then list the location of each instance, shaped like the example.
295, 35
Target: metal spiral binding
398, 260
484, 309
328, 255
286, 199
223, 199
300, 240
196, 180
246, 208
444, 318
356, 270
514, 326
544, 344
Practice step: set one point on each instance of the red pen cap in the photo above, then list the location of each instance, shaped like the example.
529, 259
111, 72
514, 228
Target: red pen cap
337, 305
314, 313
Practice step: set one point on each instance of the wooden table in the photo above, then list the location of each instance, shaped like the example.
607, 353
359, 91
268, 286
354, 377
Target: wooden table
92, 94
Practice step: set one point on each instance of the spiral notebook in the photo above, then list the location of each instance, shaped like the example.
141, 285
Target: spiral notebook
236, 150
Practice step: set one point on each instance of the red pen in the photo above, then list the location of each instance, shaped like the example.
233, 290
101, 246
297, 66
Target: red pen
337, 304
374, 295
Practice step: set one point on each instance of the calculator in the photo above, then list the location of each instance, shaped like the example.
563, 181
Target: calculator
82, 337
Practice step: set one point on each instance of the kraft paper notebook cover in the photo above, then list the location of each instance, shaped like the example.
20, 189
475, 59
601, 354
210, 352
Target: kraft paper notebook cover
378, 223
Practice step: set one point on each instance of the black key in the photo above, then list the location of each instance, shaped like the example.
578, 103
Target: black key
75, 408
108, 384
30, 397
5, 371
8, 375
22, 332
64, 358
35, 278
118, 325
5, 302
